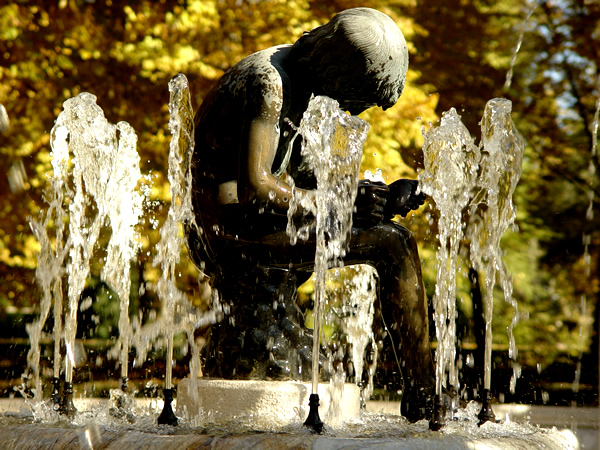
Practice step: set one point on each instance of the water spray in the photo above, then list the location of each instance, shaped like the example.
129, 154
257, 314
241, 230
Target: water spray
181, 125
451, 161
4, 121
332, 146
458, 175
103, 179
499, 172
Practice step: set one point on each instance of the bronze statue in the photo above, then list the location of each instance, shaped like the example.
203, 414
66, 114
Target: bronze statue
243, 129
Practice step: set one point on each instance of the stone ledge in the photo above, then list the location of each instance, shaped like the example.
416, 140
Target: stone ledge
13, 436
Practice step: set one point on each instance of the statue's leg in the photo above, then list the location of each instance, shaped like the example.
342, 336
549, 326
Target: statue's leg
392, 250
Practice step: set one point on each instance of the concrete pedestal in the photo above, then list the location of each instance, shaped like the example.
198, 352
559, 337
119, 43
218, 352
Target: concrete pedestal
267, 403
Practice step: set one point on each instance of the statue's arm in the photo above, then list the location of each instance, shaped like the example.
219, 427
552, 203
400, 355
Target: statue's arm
403, 198
258, 184
369, 204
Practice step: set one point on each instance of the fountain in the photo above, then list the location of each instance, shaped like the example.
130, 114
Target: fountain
99, 190
93, 426
95, 201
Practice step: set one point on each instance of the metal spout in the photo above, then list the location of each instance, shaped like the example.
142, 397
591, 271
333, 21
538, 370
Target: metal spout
167, 416
486, 414
438, 419
313, 421
67, 407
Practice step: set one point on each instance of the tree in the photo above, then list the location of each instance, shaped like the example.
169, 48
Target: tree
466, 49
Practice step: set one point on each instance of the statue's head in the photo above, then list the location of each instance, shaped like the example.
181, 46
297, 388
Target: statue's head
359, 58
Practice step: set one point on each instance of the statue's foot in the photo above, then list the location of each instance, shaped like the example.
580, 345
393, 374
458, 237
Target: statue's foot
420, 404
417, 404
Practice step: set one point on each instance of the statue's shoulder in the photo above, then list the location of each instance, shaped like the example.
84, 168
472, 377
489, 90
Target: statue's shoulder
258, 78
272, 56
264, 67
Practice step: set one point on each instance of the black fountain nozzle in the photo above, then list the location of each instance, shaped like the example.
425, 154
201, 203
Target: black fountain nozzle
313, 421
66, 406
167, 416
124, 384
486, 414
438, 420
56, 385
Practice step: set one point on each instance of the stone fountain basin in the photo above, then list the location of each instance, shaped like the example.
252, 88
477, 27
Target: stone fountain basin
36, 436
94, 427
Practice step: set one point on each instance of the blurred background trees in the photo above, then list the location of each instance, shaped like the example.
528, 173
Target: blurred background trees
463, 53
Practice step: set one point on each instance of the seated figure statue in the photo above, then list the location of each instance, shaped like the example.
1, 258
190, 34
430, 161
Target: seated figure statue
242, 131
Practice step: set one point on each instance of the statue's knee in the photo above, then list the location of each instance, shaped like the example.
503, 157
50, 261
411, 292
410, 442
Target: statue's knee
396, 246
402, 231
399, 236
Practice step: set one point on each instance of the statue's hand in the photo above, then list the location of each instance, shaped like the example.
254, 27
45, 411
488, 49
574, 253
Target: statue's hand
403, 198
369, 204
